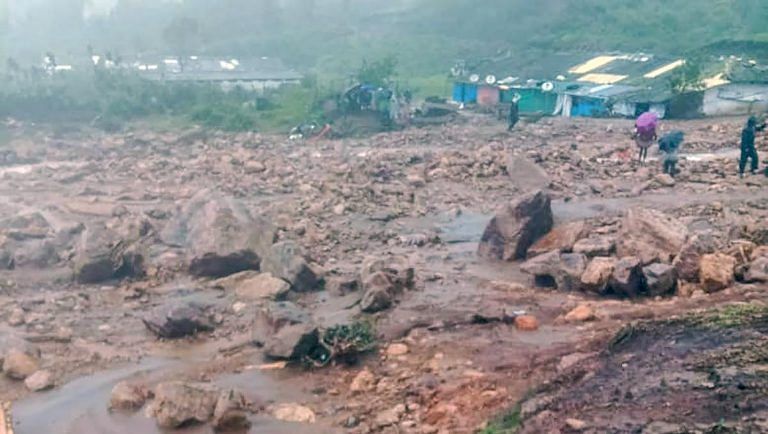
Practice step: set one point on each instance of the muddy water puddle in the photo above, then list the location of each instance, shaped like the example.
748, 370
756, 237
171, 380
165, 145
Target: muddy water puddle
80, 407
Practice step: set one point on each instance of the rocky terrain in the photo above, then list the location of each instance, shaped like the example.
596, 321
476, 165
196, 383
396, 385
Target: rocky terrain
425, 281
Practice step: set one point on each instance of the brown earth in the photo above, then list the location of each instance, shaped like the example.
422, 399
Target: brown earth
423, 194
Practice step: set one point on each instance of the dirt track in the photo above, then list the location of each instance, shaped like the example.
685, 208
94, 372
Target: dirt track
425, 194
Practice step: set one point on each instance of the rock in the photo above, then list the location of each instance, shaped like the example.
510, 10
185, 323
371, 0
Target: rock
687, 262
363, 382
650, 236
553, 269
389, 417
561, 238
219, 234
179, 404
717, 272
576, 424
19, 364
525, 174
292, 342
379, 293
102, 255
597, 275
526, 323
664, 180
285, 261
398, 268
574, 359
127, 396
627, 278
581, 313
276, 315
16, 318
515, 228
758, 270
342, 286
293, 413
39, 381
262, 286
230, 413
660, 279
759, 252
394, 350
175, 321
595, 246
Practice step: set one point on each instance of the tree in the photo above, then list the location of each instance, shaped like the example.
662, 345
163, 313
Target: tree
378, 72
687, 78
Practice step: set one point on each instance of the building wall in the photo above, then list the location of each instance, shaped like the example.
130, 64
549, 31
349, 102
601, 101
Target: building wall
256, 85
735, 99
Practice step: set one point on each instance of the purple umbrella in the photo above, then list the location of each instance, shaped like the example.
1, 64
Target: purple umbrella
647, 121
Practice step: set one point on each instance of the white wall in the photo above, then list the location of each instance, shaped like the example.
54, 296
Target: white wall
736, 99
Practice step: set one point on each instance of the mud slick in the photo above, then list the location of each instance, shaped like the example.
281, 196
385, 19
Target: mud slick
451, 279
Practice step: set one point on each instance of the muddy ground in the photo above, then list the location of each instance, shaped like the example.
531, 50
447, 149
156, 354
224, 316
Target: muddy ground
425, 194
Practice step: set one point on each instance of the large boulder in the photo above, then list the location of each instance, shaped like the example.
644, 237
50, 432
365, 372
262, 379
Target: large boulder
650, 235
554, 269
275, 317
178, 404
379, 292
220, 235
597, 275
660, 279
103, 254
526, 174
127, 396
561, 238
688, 261
292, 342
175, 320
717, 272
19, 364
284, 260
758, 270
382, 280
627, 278
255, 286
516, 227
230, 413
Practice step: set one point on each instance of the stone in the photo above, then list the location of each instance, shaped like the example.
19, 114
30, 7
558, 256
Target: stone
16, 318
19, 364
398, 268
595, 246
576, 424
650, 235
177, 320
758, 270
274, 316
394, 350
759, 252
516, 227
230, 413
39, 381
717, 272
219, 234
660, 279
285, 261
263, 286
553, 269
627, 278
178, 404
102, 254
526, 174
664, 180
597, 275
561, 238
379, 293
364, 381
574, 359
128, 397
292, 342
389, 417
342, 286
293, 413
526, 323
688, 261
581, 313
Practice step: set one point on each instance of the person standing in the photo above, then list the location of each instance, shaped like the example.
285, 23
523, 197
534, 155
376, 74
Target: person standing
669, 145
645, 133
514, 113
748, 150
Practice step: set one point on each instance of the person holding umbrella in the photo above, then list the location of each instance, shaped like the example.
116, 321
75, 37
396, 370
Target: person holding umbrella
669, 144
645, 133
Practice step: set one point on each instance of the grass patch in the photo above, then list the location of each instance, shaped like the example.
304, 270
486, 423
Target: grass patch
507, 424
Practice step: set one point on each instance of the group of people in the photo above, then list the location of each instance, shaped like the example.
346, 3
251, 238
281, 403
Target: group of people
646, 134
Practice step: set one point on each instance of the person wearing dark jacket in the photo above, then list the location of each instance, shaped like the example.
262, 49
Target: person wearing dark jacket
669, 144
748, 150
514, 113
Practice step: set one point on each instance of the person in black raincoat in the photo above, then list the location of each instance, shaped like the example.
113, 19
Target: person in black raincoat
748, 150
514, 113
